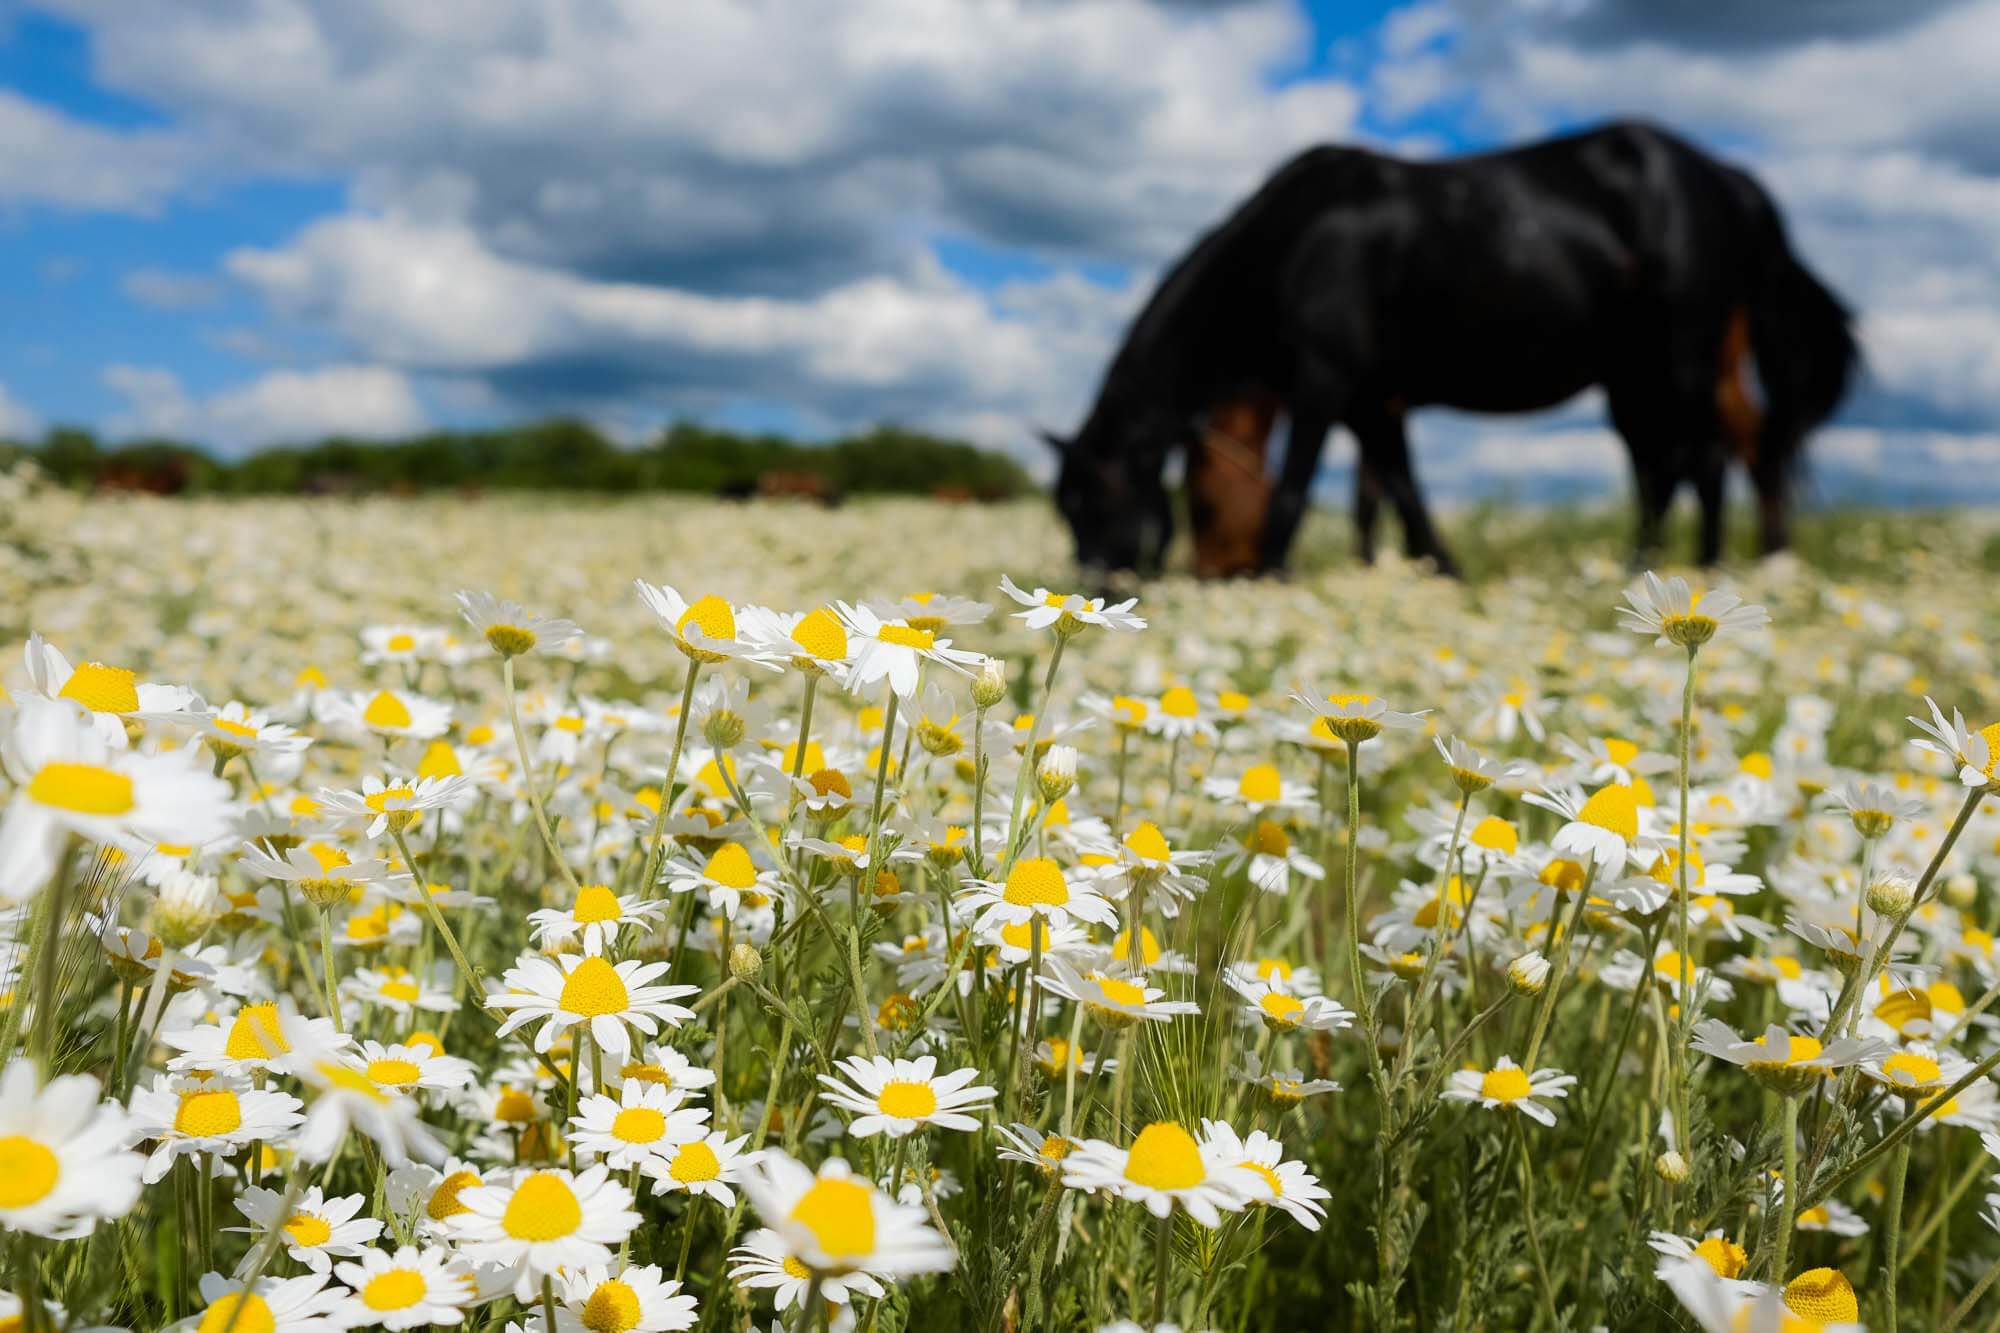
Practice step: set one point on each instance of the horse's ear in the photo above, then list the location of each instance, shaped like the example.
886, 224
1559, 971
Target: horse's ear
1053, 441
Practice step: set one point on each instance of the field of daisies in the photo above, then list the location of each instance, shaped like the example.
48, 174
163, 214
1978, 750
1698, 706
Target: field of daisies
545, 914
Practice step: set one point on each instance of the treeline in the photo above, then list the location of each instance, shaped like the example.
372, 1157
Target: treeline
560, 454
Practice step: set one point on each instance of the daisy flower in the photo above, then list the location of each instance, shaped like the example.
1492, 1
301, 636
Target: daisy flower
1472, 771
411, 1288
267, 1035
1037, 887
1268, 856
814, 642
662, 1065
705, 1166
543, 1223
1281, 1010
316, 1230
430, 1193
1166, 1166
930, 610
1289, 1186
640, 1125
1283, 1089
1024, 1143
405, 1067
1603, 828
108, 694
346, 1098
63, 1157
834, 1222
894, 651
1508, 1087
324, 882
705, 630
402, 992
395, 714
1784, 1062
271, 1305
1070, 613
630, 1300
1355, 717
1259, 787
236, 729
1976, 753
595, 918
606, 998
70, 781
1720, 1253
217, 1114
1675, 613
896, 1097
511, 629
405, 644
1873, 809
391, 805
765, 1262
1113, 1000
730, 872
1177, 715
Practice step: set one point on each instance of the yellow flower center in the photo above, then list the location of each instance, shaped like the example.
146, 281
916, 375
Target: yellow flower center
906, 636
822, 635
1147, 842
389, 798
542, 1208
594, 989
307, 1230
595, 903
1165, 1157
906, 1101
1797, 1048
1120, 991
254, 1316
646, 1073
1620, 751
393, 1073
1128, 712
405, 991
711, 615
352, 1081
1507, 1084
439, 761
397, 1289
695, 1162
1270, 1177
1260, 784
1677, 969
731, 867
1036, 881
1723, 1255
796, 1270
1911, 1069
639, 1124
1021, 934
208, 1113
613, 1307
444, 1199
28, 1171
255, 1034
830, 782
1282, 1007
841, 1217
1269, 969
1495, 835
81, 789
1180, 702
1149, 947
232, 728
1614, 808
102, 689
1270, 840
514, 1107
1822, 1294
1903, 1008
387, 711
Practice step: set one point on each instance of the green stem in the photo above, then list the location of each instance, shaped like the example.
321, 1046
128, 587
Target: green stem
1899, 1170
1563, 950
651, 873
1027, 773
326, 967
528, 780
1163, 1244
1780, 1270
1528, 1220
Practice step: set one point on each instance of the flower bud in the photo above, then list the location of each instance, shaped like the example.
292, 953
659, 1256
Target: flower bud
1056, 773
1528, 973
989, 687
1671, 1167
1961, 891
185, 909
1891, 895
723, 729
746, 964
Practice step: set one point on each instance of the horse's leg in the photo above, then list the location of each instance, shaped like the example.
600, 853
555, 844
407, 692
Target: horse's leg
1385, 450
1309, 424
1708, 489
1367, 510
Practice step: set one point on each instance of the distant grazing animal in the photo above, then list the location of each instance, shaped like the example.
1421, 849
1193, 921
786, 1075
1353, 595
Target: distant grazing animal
1353, 287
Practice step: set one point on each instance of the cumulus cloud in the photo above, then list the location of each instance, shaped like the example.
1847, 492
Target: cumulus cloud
281, 407
49, 158
165, 289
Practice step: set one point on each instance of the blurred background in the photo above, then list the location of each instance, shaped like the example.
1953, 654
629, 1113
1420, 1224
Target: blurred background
704, 232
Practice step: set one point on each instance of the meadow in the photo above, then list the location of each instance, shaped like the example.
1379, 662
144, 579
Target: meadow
408, 920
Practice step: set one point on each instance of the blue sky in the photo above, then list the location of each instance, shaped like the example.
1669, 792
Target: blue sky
253, 224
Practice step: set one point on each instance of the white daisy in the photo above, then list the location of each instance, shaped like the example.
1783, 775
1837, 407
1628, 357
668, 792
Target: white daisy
764, 1261
1166, 1166
1112, 999
272, 1305
898, 1096
543, 1223
705, 1166
316, 1230
108, 694
393, 804
1289, 1185
344, 1098
835, 1222
595, 918
266, 1035
511, 629
63, 1157
1282, 1009
1671, 610
630, 1300
217, 1114
894, 651
1508, 1087
607, 998
644, 1123
704, 629
1071, 613
1037, 887
411, 1288
395, 714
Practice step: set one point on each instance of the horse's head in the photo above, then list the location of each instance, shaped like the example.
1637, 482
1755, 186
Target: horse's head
1111, 489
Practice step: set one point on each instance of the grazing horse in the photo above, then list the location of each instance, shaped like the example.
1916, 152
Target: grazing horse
1353, 287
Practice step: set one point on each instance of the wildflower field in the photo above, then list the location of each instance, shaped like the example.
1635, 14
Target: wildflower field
647, 915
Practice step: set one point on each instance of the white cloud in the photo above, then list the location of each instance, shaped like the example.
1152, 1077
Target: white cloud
281, 407
165, 289
47, 158
17, 423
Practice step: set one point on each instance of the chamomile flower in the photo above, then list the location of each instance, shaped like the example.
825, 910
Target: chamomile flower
601, 1298
1678, 615
764, 1262
896, 651
408, 1067
1024, 1143
430, 1193
412, 1288
1785, 1062
1167, 1166
512, 630
1268, 856
833, 1222
594, 919
642, 1125
1355, 717
1873, 809
1110, 998
1071, 613
608, 999
393, 804
1603, 828
314, 1231
107, 694
727, 874
270, 1305
815, 642
1037, 887
402, 992
544, 1223
663, 1066
706, 1166
1257, 789
1508, 1087
216, 1114
1472, 771
1720, 1253
346, 1098
705, 630
897, 1097
266, 1035
1282, 1010
1288, 1185
393, 714
1976, 753
236, 729
63, 1159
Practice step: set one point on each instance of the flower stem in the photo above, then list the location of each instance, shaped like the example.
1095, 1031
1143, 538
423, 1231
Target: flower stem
1789, 1217
326, 967
1899, 1170
528, 779
1528, 1220
1027, 773
1163, 1245
1563, 950
651, 871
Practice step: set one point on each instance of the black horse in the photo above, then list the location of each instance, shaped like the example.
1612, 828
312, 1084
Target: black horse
1353, 287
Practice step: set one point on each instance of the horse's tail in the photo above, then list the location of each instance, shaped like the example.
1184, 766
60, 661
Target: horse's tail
1803, 340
